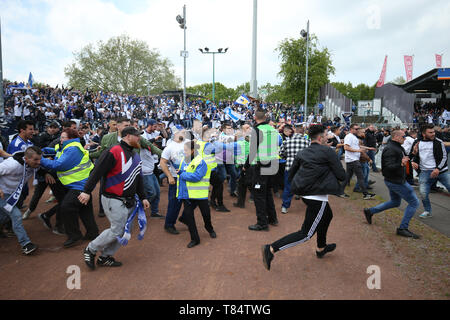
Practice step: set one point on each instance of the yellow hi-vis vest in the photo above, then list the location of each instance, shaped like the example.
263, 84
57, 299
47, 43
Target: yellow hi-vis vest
58, 152
81, 171
268, 148
200, 189
210, 159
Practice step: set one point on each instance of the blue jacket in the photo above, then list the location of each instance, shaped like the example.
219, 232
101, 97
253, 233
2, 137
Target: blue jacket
70, 158
184, 176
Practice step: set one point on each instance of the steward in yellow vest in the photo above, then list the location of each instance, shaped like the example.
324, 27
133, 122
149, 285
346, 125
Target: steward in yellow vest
193, 189
73, 168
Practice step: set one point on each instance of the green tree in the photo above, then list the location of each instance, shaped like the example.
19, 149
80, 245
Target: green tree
360, 92
293, 68
205, 90
121, 65
399, 80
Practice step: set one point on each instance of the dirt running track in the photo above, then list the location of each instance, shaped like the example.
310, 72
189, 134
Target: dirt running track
228, 267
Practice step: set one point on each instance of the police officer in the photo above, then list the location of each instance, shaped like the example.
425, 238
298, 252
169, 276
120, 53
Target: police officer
264, 162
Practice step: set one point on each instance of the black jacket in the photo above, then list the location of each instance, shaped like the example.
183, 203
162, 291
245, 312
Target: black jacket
370, 140
316, 171
391, 163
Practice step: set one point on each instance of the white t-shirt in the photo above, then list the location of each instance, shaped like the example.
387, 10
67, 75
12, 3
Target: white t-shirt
408, 144
353, 142
427, 161
174, 154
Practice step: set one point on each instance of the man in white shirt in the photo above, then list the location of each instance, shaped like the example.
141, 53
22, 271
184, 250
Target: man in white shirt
151, 184
171, 158
430, 157
353, 152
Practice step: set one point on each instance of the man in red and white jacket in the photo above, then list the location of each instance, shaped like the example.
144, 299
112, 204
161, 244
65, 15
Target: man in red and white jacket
120, 169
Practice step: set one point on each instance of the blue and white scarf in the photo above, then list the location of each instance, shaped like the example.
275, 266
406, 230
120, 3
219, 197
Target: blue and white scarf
142, 221
14, 197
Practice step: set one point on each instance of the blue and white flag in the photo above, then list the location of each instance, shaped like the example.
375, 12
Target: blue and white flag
30, 80
243, 100
233, 114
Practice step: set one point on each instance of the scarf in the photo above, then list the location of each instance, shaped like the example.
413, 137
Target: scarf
142, 221
14, 198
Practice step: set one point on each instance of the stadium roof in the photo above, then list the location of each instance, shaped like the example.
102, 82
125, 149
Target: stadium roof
436, 80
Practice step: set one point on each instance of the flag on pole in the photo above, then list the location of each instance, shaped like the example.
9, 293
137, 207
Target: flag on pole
438, 60
233, 114
408, 67
30, 80
243, 100
380, 82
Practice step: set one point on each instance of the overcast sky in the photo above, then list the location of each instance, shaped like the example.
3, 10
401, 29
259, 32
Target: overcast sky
39, 36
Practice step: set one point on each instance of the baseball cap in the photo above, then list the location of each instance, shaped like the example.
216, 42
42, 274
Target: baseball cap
130, 130
151, 122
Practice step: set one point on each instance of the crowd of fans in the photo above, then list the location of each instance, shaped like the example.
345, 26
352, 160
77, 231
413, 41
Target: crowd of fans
37, 117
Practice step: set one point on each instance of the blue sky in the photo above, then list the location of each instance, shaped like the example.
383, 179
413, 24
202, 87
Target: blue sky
41, 35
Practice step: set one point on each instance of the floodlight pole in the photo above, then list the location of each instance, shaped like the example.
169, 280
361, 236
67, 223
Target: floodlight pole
2, 100
306, 79
184, 82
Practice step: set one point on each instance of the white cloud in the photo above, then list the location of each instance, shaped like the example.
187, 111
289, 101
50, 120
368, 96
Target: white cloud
40, 36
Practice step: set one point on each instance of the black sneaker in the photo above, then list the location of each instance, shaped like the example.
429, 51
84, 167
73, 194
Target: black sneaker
368, 215
45, 220
344, 195
156, 215
171, 230
274, 223
328, 248
408, 234
371, 182
213, 235
369, 196
222, 208
234, 194
29, 248
89, 258
267, 256
258, 227
108, 262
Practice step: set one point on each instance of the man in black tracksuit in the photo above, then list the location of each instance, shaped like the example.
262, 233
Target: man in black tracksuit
314, 175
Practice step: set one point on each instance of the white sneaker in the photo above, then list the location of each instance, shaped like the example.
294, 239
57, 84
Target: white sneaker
284, 210
425, 215
26, 214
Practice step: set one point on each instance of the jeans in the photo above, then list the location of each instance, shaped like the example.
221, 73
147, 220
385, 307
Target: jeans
365, 169
340, 153
355, 167
425, 183
152, 191
287, 194
398, 192
371, 154
16, 218
231, 169
173, 209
